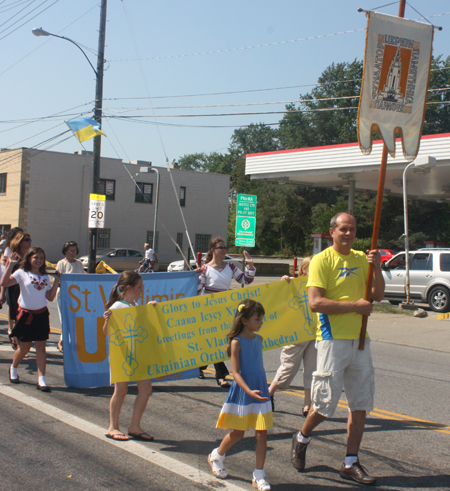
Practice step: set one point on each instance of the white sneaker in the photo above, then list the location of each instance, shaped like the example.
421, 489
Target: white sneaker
261, 484
217, 467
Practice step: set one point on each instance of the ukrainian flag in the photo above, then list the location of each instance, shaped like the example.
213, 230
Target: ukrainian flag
85, 128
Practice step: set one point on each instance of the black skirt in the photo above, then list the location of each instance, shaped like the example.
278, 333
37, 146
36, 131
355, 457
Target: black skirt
36, 330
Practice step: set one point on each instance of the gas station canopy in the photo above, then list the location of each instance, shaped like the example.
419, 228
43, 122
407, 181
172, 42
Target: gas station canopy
344, 166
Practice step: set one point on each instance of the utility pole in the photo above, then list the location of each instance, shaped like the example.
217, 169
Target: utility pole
97, 139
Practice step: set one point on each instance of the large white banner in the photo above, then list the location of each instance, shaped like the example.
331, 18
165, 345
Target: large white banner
395, 82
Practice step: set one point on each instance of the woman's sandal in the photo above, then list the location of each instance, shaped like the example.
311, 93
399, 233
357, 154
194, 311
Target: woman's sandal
261, 484
118, 437
217, 467
305, 411
221, 382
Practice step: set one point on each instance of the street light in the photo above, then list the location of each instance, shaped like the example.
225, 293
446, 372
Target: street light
97, 116
423, 162
38, 31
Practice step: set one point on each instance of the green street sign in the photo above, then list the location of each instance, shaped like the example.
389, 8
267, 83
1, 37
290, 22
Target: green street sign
246, 205
245, 231
245, 220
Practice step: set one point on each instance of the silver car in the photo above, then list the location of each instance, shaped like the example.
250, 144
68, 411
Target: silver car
179, 265
120, 259
429, 278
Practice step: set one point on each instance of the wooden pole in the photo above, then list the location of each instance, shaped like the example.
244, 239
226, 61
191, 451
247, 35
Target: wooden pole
376, 223
376, 230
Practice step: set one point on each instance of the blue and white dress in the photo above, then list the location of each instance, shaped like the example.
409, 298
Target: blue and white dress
241, 411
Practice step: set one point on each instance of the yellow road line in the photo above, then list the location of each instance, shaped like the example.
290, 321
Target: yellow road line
380, 413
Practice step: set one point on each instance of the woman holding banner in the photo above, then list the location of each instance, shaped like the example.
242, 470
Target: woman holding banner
69, 265
215, 276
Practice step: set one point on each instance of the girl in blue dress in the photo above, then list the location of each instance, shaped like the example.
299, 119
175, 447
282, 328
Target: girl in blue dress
248, 402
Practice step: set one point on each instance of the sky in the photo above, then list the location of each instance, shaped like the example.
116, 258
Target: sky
167, 60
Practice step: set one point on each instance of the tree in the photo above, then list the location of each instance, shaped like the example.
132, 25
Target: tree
256, 138
339, 89
437, 114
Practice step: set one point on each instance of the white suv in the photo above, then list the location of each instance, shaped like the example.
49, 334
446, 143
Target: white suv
429, 278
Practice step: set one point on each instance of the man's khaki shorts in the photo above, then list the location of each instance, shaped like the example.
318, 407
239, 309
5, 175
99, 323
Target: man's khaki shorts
340, 364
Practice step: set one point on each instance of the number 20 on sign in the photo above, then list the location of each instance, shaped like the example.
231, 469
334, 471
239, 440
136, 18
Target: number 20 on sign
97, 210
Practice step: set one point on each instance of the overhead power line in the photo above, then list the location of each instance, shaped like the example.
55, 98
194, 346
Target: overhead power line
17, 13
48, 40
300, 101
208, 94
26, 22
265, 45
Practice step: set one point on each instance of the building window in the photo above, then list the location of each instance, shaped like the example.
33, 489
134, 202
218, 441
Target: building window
179, 242
4, 229
144, 192
3, 183
150, 240
202, 242
182, 196
108, 188
103, 238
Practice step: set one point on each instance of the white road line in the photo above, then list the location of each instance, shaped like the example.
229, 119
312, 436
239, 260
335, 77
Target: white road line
139, 450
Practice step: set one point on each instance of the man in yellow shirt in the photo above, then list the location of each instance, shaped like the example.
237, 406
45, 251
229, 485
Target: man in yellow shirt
336, 289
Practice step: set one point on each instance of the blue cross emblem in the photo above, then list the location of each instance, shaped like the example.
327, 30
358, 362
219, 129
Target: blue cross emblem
130, 336
300, 301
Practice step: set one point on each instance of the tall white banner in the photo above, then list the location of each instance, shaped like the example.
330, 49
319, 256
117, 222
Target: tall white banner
395, 82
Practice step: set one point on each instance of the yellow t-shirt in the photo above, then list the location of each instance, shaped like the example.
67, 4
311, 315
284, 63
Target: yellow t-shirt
344, 279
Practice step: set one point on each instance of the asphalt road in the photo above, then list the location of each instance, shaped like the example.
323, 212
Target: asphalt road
56, 441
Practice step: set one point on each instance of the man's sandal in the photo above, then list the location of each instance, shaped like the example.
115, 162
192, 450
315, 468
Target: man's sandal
217, 467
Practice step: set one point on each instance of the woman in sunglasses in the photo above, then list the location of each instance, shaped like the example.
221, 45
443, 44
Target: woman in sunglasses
215, 276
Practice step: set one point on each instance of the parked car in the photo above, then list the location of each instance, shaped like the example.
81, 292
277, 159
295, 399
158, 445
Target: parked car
120, 259
386, 254
179, 265
429, 278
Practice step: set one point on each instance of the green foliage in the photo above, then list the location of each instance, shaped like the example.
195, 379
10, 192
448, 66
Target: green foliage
362, 244
256, 138
437, 116
321, 127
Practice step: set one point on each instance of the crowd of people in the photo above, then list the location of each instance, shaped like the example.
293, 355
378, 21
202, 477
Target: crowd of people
336, 285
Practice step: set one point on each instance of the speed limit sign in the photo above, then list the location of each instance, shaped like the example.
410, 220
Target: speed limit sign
97, 210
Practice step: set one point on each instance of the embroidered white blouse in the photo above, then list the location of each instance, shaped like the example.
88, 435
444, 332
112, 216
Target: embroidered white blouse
211, 280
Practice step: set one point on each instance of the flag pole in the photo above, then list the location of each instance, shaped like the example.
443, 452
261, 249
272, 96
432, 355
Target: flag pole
377, 219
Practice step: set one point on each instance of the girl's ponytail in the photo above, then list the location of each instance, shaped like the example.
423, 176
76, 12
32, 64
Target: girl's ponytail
113, 296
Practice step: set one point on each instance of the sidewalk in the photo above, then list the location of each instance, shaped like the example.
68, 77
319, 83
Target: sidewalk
418, 332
